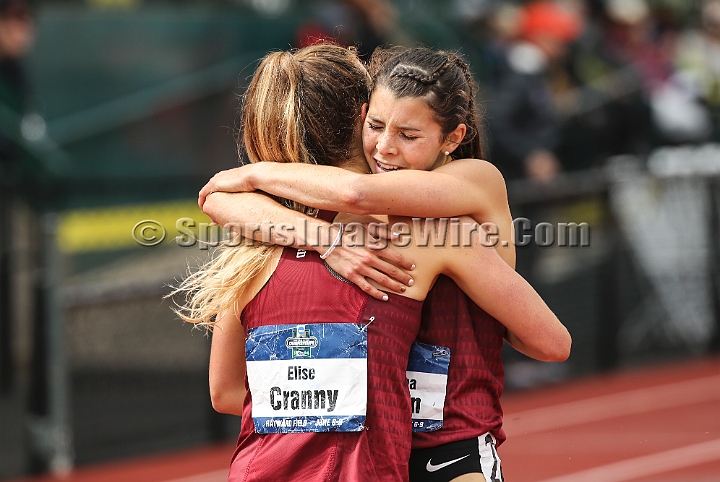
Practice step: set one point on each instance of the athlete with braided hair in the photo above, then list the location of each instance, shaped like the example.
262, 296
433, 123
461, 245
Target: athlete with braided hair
421, 116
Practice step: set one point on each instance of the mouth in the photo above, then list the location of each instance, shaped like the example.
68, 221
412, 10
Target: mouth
385, 167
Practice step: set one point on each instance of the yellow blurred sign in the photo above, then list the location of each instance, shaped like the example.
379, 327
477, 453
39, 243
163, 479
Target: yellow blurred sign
114, 3
111, 228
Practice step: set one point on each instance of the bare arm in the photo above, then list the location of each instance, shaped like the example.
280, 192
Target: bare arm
227, 365
258, 217
506, 296
462, 187
227, 352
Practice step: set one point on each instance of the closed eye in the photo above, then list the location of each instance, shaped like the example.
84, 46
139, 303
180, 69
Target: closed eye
374, 127
407, 136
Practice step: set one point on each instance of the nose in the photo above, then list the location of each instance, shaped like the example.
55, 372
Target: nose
384, 144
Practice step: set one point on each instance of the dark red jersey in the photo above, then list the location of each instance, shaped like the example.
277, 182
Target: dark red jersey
303, 292
476, 375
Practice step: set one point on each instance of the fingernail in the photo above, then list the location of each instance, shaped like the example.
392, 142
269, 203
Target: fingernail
385, 297
402, 289
412, 267
411, 282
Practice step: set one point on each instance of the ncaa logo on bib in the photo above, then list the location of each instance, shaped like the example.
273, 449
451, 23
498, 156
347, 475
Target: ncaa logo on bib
301, 342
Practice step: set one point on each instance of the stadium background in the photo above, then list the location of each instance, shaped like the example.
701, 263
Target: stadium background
129, 106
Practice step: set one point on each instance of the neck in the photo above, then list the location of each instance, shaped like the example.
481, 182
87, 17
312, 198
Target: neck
356, 160
356, 163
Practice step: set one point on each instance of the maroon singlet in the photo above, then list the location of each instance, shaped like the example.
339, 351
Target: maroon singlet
302, 291
476, 375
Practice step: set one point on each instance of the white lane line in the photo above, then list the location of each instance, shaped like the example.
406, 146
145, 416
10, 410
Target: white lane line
216, 476
648, 465
612, 406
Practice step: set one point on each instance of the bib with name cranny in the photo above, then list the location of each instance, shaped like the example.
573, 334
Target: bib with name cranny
308, 378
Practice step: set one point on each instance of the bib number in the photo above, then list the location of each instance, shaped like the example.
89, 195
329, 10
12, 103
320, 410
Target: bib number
308, 378
427, 375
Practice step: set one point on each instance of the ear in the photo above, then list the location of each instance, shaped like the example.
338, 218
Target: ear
363, 112
453, 140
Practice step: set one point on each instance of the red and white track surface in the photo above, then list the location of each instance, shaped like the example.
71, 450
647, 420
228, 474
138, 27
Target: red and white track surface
657, 424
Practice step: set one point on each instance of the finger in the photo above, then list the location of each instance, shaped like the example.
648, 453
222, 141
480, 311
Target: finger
364, 285
208, 187
385, 281
205, 192
379, 231
396, 274
395, 258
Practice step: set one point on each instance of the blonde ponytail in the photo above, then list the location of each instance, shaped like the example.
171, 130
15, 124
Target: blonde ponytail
217, 285
271, 123
300, 107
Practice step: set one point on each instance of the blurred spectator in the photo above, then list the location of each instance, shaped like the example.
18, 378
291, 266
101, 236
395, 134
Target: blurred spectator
521, 113
365, 24
16, 38
504, 23
698, 62
649, 43
605, 110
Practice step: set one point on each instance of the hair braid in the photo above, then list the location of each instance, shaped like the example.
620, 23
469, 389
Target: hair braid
412, 72
451, 60
473, 137
401, 72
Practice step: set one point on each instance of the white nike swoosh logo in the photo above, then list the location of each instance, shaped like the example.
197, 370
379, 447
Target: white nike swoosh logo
432, 468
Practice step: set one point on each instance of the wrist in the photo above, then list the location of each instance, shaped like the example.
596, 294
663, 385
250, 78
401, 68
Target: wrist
318, 236
261, 177
336, 241
252, 177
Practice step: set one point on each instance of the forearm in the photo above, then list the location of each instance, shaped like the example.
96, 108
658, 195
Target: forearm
258, 217
533, 328
507, 297
525, 349
403, 193
323, 187
463, 187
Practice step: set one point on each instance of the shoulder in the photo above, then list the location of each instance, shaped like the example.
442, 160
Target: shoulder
476, 170
484, 176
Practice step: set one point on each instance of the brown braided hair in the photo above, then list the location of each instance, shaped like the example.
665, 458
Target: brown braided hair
443, 80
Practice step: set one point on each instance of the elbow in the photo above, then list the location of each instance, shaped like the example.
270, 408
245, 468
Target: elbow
225, 402
219, 403
353, 196
561, 349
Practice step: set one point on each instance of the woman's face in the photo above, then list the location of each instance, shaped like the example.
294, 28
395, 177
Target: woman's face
402, 134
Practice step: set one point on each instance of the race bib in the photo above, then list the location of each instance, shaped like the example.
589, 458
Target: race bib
308, 378
427, 375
